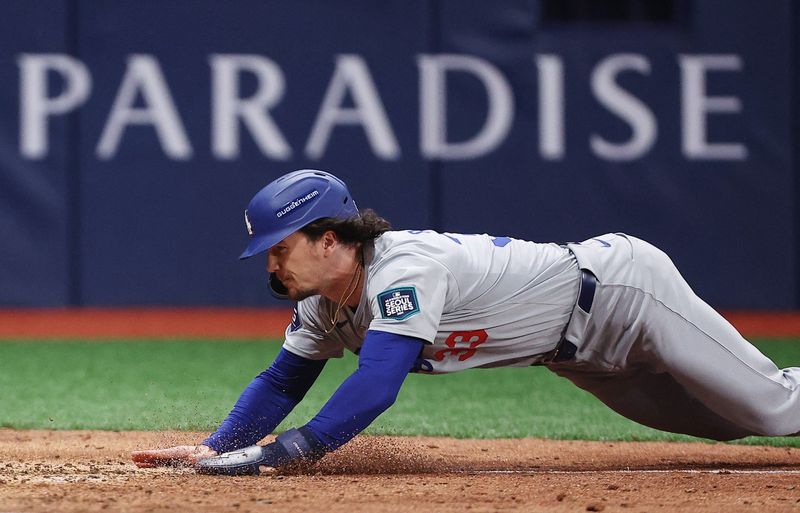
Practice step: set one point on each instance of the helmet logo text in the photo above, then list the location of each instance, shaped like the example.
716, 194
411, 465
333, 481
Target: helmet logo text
296, 203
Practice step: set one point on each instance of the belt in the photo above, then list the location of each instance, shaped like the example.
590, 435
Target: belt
565, 350
586, 295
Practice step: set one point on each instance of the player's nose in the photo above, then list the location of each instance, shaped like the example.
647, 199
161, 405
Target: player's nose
272, 263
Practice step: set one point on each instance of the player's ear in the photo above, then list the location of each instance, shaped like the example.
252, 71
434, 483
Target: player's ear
329, 241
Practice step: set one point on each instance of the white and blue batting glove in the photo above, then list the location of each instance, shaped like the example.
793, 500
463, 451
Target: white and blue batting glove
293, 446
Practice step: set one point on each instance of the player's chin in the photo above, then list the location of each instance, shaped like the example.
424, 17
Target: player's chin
296, 294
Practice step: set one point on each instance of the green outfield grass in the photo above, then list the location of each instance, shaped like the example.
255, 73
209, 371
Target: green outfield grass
191, 385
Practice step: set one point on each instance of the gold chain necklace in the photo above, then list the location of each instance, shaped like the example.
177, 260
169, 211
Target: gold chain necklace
353, 285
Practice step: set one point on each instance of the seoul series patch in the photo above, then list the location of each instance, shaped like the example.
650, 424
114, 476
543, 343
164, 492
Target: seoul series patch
398, 304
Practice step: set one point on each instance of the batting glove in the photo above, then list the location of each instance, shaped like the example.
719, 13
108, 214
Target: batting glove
293, 446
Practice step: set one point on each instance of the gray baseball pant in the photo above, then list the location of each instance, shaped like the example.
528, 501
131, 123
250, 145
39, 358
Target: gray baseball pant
659, 355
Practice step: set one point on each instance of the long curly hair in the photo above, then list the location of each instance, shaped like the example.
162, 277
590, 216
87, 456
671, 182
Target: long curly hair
355, 230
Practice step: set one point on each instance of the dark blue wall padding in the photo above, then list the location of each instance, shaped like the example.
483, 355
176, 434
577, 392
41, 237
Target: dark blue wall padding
150, 223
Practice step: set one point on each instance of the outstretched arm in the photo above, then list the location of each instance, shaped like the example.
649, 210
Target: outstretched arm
265, 402
384, 362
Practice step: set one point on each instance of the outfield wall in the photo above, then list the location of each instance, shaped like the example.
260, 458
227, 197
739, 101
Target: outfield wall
135, 132
240, 323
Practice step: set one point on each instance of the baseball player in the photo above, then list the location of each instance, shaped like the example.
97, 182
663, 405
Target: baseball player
612, 314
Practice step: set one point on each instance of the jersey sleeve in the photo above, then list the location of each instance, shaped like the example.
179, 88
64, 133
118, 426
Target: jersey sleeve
305, 336
407, 295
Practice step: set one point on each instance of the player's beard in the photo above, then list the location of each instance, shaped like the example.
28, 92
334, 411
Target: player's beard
301, 294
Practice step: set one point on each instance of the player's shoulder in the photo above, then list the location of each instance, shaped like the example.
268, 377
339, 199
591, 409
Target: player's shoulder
413, 244
415, 238
394, 237
441, 244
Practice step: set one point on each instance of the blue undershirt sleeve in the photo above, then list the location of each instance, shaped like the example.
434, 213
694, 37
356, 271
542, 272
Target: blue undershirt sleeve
266, 401
384, 362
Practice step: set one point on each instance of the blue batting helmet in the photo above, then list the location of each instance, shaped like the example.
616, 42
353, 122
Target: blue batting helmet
291, 202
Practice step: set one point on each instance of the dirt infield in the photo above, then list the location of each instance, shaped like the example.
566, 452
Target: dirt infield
70, 471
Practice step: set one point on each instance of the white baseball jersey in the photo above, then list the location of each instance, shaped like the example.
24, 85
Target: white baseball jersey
650, 348
476, 300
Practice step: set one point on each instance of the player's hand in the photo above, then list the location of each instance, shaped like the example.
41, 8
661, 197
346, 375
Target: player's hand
179, 456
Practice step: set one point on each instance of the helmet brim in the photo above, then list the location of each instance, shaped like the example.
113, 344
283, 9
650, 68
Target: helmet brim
260, 243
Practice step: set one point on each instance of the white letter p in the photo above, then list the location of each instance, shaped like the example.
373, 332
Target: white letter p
36, 107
